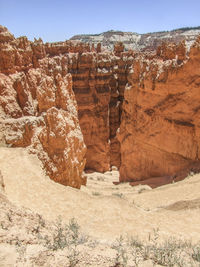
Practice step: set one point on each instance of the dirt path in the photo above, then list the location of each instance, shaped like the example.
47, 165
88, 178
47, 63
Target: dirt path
103, 210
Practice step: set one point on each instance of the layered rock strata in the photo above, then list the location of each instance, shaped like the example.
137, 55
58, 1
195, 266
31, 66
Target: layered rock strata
139, 42
38, 109
160, 124
137, 111
99, 80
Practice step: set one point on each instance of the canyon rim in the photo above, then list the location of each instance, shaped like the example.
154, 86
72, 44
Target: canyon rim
105, 137
78, 107
99, 133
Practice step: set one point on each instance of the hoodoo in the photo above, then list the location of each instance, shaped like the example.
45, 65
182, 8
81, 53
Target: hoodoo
38, 109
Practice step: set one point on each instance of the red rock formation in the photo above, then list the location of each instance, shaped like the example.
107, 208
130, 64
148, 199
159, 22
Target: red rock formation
139, 112
38, 108
159, 133
99, 80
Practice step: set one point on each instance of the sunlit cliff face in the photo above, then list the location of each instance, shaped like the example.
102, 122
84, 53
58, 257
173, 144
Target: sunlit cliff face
136, 111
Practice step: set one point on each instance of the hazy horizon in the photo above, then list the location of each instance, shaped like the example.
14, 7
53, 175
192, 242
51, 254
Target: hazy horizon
60, 20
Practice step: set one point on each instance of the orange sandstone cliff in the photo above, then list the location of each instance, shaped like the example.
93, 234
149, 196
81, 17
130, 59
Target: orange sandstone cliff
99, 80
160, 124
38, 109
137, 111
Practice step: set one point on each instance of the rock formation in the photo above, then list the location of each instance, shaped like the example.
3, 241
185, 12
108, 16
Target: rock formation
159, 133
137, 111
139, 42
38, 108
99, 80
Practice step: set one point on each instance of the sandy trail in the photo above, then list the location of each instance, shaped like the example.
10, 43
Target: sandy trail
103, 209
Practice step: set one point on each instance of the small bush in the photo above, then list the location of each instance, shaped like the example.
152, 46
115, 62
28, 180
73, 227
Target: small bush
41, 221
196, 253
136, 248
166, 255
65, 236
59, 239
121, 252
74, 234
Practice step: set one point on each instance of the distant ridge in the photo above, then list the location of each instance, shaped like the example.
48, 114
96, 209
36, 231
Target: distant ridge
118, 31
136, 41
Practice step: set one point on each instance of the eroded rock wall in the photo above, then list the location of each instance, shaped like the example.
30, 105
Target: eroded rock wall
137, 111
159, 133
38, 109
99, 80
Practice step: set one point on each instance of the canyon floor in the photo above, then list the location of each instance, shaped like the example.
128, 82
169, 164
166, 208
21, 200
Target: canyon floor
31, 203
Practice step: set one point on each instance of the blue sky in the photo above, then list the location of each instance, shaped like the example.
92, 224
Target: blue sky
58, 20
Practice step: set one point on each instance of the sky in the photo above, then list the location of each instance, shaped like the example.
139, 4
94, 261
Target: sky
58, 20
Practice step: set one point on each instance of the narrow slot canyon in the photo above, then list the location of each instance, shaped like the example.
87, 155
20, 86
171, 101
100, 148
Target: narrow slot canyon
99, 81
